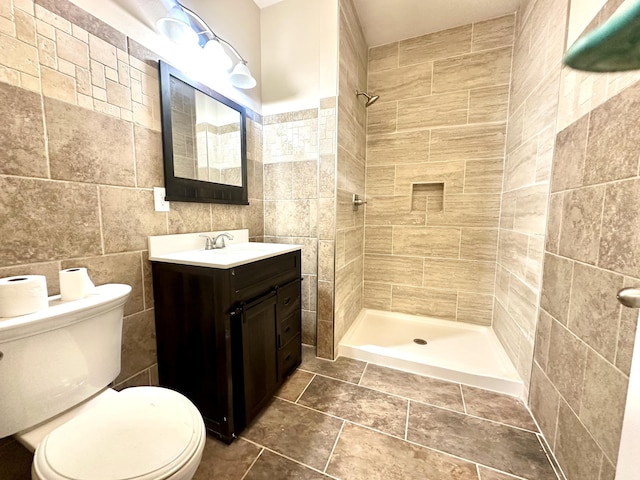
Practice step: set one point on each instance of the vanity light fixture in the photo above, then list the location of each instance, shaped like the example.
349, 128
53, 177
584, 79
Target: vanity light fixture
183, 27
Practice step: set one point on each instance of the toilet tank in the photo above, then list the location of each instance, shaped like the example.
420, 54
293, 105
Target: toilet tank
54, 359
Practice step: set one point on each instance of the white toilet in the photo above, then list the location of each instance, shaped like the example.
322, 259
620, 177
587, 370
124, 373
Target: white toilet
55, 366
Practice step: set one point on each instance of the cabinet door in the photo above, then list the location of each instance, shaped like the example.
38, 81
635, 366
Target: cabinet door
259, 354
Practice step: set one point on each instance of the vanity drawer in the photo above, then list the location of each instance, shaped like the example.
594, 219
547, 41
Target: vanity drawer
289, 298
289, 356
289, 327
253, 279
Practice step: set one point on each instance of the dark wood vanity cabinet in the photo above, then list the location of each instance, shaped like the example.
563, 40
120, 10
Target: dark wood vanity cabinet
227, 338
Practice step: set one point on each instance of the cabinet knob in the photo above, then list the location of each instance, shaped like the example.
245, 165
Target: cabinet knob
287, 301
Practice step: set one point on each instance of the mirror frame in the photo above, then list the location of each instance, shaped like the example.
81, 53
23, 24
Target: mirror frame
188, 190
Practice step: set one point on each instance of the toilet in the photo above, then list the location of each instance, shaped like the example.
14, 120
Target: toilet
55, 368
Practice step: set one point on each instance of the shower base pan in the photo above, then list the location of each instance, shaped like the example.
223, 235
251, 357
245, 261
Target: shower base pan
458, 352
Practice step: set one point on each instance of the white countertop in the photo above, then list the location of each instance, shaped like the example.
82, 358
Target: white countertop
180, 249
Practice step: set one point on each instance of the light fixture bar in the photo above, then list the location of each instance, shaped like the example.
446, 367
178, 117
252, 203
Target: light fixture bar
206, 29
240, 77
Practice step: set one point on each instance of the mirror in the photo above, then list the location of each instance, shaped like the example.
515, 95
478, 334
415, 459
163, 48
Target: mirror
204, 142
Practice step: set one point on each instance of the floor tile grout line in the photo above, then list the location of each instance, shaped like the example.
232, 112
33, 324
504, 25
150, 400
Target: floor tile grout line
362, 374
493, 469
420, 402
555, 466
335, 444
305, 389
253, 463
477, 472
406, 427
410, 442
287, 457
464, 404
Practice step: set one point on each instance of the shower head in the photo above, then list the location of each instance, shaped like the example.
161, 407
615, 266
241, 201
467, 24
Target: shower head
371, 99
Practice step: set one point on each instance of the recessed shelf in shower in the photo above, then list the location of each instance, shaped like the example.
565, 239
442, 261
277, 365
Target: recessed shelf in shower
427, 196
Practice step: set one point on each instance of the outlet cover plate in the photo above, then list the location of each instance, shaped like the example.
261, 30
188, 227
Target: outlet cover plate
160, 203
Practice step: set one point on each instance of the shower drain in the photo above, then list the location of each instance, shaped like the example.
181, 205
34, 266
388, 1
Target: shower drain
420, 341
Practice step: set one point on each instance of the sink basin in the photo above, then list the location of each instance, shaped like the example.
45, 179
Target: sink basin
227, 257
239, 249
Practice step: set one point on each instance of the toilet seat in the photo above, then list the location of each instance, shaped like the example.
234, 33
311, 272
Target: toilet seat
142, 433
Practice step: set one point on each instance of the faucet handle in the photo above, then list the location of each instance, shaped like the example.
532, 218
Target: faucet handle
209, 245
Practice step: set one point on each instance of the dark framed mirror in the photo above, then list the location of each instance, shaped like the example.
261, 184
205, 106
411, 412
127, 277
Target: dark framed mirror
204, 142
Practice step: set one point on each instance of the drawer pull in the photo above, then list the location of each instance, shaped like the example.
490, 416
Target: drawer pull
287, 357
286, 330
287, 301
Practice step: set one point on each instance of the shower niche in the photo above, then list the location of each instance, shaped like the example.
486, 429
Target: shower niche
427, 197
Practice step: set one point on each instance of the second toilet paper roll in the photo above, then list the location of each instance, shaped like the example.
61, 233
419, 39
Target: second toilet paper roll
75, 284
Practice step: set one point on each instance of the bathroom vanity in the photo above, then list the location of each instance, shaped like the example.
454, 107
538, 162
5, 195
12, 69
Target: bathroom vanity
228, 325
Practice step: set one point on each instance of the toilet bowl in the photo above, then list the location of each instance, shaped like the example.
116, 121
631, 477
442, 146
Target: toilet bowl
141, 433
56, 365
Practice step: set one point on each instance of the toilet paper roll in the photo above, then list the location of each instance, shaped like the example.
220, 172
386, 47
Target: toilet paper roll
75, 284
22, 295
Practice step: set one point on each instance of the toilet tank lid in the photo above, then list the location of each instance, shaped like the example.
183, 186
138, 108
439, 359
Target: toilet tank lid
59, 313
141, 433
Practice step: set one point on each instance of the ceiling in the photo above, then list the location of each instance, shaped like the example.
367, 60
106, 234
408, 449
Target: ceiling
386, 21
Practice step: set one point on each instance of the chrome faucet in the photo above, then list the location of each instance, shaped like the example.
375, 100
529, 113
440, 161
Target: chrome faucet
212, 243
222, 235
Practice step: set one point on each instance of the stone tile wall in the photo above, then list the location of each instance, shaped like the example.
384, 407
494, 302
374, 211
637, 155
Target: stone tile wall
291, 163
350, 172
435, 153
584, 340
539, 44
81, 150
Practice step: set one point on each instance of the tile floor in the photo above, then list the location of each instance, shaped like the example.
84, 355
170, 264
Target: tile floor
352, 420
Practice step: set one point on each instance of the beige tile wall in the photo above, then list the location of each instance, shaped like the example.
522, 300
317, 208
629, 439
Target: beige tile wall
294, 142
584, 340
350, 172
435, 152
81, 150
533, 107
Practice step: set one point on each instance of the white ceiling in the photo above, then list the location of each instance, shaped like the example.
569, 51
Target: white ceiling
386, 21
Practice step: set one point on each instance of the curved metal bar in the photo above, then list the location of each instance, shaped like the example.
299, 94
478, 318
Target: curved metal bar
207, 29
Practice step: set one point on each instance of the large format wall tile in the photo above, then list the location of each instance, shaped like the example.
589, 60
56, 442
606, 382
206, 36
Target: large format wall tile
474, 142
426, 241
569, 156
556, 286
77, 153
566, 364
474, 70
581, 223
138, 344
434, 110
21, 133
393, 269
149, 159
577, 452
614, 127
409, 147
443, 44
594, 311
128, 218
424, 301
465, 275
493, 33
603, 403
620, 225
402, 82
48, 220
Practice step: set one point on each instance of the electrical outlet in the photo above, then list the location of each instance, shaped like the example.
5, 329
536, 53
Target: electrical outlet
160, 203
